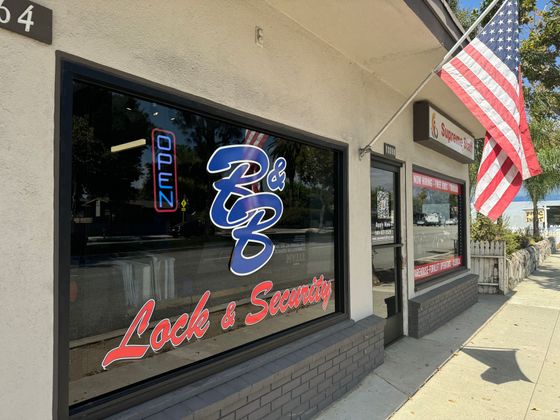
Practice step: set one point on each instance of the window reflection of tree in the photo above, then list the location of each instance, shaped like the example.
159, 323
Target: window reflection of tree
310, 183
102, 119
294, 154
317, 170
201, 137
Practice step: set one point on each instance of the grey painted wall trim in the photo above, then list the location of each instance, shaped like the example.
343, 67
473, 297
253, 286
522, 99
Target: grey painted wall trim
431, 310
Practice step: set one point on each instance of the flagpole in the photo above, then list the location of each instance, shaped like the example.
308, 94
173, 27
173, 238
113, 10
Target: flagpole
368, 147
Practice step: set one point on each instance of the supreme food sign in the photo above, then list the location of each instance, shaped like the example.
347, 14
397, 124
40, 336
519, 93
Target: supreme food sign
434, 130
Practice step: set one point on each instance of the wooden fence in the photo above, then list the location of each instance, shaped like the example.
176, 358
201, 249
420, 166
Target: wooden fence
488, 260
499, 273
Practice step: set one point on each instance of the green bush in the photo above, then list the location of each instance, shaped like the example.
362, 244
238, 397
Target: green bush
484, 229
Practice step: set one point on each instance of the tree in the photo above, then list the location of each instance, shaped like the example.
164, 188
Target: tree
540, 54
526, 10
467, 16
541, 50
473, 167
316, 171
293, 153
203, 136
546, 138
96, 171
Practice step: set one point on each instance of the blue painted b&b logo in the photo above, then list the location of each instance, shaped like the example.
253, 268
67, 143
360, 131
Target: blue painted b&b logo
251, 212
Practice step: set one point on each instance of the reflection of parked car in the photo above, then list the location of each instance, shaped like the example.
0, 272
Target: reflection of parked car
432, 219
192, 226
419, 219
452, 221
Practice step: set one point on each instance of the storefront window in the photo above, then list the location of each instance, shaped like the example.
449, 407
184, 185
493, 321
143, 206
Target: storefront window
190, 236
438, 226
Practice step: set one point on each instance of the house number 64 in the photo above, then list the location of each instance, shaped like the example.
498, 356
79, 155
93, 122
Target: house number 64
26, 18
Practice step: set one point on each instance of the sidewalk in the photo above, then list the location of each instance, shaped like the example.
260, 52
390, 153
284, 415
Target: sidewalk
500, 359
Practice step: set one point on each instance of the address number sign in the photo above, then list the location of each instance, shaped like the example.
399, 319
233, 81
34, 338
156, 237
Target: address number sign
27, 18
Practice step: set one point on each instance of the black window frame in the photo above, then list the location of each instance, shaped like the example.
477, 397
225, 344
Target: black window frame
70, 68
461, 226
395, 166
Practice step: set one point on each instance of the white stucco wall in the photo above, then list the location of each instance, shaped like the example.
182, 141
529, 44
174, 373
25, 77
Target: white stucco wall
202, 48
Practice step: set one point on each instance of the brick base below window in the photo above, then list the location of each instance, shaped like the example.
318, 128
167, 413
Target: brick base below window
293, 381
431, 310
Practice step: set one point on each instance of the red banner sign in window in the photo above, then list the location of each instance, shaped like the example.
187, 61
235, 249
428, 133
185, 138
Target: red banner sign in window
437, 184
431, 269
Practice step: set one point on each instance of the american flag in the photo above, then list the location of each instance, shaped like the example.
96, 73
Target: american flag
256, 139
486, 77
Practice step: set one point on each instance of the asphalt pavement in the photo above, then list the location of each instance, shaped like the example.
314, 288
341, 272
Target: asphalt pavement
500, 359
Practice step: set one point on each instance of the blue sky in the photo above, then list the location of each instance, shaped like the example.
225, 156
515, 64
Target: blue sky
524, 196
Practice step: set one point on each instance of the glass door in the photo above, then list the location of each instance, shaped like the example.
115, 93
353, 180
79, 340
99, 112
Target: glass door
386, 247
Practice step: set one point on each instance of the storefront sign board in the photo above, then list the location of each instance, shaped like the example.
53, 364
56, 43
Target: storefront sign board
437, 267
436, 184
529, 215
435, 130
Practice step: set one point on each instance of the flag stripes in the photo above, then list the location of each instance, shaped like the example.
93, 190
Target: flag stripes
257, 139
486, 77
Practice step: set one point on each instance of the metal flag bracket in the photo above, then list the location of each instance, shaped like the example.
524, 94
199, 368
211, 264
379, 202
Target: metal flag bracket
369, 147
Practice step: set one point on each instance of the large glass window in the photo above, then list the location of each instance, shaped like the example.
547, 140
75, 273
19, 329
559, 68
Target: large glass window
190, 236
438, 226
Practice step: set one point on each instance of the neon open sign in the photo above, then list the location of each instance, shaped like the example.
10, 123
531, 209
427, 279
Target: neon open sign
164, 170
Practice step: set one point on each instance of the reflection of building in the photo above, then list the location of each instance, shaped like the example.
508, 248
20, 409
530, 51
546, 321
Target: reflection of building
519, 214
314, 81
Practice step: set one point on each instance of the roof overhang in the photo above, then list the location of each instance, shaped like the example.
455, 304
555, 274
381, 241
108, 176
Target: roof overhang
399, 41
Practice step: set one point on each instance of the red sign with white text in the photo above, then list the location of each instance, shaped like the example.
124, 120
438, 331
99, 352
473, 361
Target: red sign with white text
436, 184
433, 268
